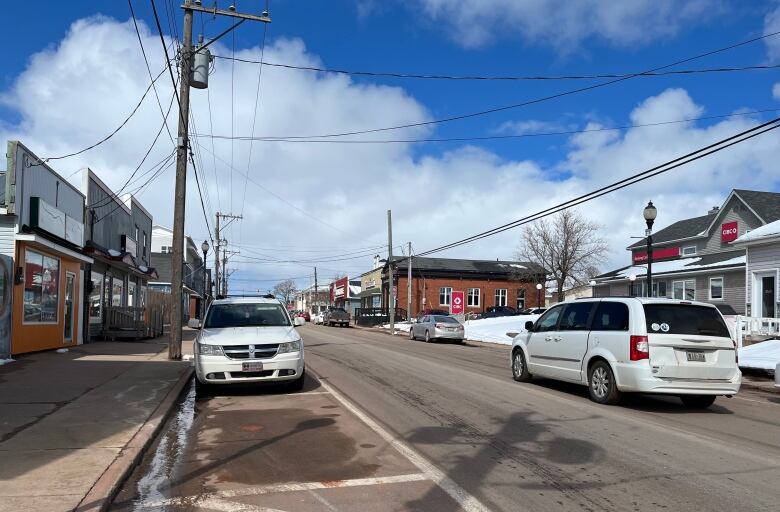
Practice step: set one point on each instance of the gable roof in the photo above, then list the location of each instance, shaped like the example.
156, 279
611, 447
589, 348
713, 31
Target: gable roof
422, 264
766, 206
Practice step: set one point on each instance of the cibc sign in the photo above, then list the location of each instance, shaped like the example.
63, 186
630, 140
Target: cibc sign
458, 303
729, 231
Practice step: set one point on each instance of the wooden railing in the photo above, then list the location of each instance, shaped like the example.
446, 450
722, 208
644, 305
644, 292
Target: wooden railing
139, 322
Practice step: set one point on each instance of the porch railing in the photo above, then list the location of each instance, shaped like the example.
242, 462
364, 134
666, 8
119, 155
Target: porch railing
377, 316
138, 322
748, 326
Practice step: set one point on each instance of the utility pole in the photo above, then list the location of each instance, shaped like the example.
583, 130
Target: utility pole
409, 286
391, 287
224, 272
316, 291
220, 242
182, 147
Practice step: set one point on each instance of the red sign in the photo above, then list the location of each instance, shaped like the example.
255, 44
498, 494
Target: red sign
729, 231
658, 254
339, 290
458, 303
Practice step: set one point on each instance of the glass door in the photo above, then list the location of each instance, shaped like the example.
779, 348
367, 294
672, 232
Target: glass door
768, 293
70, 289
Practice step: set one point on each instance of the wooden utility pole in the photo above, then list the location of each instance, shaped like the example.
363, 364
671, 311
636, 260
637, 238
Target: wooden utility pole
316, 292
220, 277
391, 286
182, 148
409, 286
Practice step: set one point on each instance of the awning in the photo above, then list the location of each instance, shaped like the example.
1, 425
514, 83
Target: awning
45, 242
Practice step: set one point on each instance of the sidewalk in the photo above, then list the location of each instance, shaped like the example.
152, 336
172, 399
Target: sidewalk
72, 424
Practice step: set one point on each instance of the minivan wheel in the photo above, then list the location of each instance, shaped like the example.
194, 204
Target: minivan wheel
601, 384
519, 368
697, 401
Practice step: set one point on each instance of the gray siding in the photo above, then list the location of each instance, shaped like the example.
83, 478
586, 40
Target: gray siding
162, 263
144, 223
761, 258
107, 217
7, 232
735, 210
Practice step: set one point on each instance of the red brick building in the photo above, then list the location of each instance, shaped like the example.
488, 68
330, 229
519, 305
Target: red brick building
484, 283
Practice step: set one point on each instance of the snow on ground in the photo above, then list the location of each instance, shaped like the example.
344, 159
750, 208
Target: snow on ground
5, 361
762, 356
493, 330
400, 327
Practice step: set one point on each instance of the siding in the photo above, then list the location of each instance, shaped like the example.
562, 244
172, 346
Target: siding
162, 263
7, 232
111, 217
144, 223
744, 217
761, 258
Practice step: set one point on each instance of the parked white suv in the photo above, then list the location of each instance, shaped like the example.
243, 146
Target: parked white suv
248, 340
616, 345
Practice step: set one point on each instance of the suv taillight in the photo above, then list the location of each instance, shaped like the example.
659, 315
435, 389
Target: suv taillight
639, 348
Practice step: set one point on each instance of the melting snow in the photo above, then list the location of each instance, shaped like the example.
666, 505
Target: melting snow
765, 231
662, 267
114, 253
5, 361
493, 330
763, 356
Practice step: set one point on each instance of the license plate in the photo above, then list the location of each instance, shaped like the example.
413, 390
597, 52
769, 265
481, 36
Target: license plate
251, 367
695, 356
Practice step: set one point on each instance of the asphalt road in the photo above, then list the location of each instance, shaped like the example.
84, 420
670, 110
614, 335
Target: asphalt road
391, 424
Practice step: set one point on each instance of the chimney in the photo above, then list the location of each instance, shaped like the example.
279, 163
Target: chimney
715, 209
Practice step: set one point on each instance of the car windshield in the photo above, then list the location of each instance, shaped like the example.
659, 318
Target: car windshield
445, 319
684, 319
246, 315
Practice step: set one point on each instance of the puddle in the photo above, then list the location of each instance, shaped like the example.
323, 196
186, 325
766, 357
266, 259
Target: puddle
167, 456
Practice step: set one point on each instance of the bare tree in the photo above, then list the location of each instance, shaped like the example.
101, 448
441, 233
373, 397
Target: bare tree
286, 289
568, 246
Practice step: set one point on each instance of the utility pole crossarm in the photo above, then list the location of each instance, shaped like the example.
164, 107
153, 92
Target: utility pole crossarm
223, 12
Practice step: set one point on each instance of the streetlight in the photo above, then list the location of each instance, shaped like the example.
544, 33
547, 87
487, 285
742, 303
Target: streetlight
650, 214
538, 295
205, 248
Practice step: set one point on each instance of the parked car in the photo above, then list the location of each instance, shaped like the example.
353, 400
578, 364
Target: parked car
318, 317
432, 327
336, 316
304, 314
431, 311
497, 311
533, 311
630, 344
248, 340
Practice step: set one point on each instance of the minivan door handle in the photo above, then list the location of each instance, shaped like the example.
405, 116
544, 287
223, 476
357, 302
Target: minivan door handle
548, 338
557, 338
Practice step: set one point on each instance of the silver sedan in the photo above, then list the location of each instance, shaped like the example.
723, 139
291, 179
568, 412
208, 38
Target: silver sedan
431, 327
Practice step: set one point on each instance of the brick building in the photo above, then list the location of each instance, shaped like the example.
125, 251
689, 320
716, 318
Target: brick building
485, 283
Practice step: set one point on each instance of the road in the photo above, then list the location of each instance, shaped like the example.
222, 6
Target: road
418, 426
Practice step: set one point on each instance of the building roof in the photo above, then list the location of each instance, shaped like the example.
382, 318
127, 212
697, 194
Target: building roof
765, 204
720, 260
765, 233
469, 266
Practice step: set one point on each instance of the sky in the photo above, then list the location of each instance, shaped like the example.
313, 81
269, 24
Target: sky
75, 71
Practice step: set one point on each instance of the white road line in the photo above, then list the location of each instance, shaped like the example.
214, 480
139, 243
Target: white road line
232, 506
468, 502
762, 402
220, 496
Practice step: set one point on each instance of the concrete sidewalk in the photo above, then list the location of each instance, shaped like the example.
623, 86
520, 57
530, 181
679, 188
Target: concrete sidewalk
73, 424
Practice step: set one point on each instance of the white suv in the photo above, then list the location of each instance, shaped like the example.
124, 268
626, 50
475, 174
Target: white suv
630, 344
248, 340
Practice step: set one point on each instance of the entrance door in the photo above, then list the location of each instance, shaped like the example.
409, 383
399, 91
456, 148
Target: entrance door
767, 294
70, 317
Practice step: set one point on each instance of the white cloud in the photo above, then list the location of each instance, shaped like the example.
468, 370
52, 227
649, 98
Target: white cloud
776, 91
73, 94
530, 126
563, 24
772, 25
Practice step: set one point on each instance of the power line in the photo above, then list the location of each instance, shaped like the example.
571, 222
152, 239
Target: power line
394, 74
315, 260
496, 137
533, 101
636, 178
200, 194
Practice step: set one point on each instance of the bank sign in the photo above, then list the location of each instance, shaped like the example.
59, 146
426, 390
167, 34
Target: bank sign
729, 231
658, 254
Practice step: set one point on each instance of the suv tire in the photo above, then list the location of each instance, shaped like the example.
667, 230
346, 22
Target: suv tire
697, 401
203, 390
601, 384
297, 384
519, 368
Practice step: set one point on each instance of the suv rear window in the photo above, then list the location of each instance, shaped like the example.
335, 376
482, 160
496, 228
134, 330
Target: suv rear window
684, 319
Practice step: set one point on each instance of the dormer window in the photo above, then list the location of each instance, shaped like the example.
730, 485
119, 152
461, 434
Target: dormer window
689, 251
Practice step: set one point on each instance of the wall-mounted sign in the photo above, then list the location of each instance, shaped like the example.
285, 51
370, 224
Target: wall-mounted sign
729, 231
74, 231
47, 217
658, 254
339, 289
458, 303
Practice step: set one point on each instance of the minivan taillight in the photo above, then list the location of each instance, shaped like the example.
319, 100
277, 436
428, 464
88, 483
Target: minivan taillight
640, 348
736, 352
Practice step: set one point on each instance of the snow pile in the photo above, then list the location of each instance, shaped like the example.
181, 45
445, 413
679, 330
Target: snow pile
402, 327
762, 356
662, 267
493, 330
765, 231
62, 350
5, 361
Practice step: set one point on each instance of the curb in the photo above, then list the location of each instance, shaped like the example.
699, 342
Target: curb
103, 492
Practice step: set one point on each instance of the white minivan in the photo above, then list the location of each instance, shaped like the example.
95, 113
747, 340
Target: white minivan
629, 344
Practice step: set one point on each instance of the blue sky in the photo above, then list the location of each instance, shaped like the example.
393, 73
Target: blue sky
419, 37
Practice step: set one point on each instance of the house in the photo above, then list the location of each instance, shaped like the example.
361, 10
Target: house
485, 283
371, 286
694, 258
196, 278
313, 299
41, 264
118, 232
762, 247
574, 292
345, 293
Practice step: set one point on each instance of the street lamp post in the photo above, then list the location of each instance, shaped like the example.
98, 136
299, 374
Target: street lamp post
539, 295
650, 214
205, 248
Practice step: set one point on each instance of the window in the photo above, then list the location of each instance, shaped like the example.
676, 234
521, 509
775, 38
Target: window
444, 320
684, 290
659, 289
549, 320
246, 315
611, 316
117, 291
131, 299
136, 240
520, 299
689, 251
143, 246
685, 319
95, 299
716, 288
575, 316
501, 297
472, 297
639, 288
445, 296
41, 287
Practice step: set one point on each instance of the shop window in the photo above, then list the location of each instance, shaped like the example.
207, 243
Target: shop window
472, 297
716, 288
501, 297
520, 299
95, 299
445, 296
117, 291
131, 298
41, 288
684, 290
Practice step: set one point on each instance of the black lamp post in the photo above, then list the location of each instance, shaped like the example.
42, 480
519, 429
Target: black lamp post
205, 248
650, 214
539, 295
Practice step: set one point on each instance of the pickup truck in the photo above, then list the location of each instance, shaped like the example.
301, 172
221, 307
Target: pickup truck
336, 316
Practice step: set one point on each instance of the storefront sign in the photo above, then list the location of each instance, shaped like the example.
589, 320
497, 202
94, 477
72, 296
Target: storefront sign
340, 289
458, 303
729, 231
74, 231
46, 217
658, 254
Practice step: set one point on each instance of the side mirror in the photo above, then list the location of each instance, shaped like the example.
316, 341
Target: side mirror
193, 323
529, 326
298, 321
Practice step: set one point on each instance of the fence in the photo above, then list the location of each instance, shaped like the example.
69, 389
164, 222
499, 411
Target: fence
376, 316
748, 326
139, 322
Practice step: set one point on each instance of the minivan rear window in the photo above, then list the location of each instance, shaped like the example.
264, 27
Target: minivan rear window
684, 319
